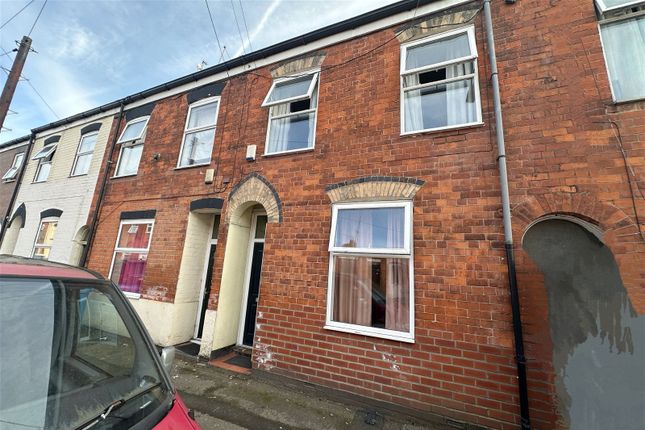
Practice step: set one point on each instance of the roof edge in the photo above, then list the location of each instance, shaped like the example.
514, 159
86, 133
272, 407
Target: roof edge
312, 36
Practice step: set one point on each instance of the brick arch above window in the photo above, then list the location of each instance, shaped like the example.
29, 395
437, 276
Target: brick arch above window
52, 139
299, 64
255, 188
90, 128
439, 23
374, 188
51, 213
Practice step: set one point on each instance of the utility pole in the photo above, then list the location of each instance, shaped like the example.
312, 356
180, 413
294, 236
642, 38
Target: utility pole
13, 78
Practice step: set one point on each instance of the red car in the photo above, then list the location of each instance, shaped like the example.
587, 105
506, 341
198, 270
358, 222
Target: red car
75, 355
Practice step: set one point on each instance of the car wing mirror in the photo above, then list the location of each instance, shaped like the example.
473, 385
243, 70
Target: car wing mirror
168, 358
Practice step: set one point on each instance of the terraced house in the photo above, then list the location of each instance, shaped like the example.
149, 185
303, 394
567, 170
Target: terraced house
343, 205
12, 157
52, 201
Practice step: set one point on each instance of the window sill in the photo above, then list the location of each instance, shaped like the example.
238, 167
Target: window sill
625, 105
123, 176
192, 166
39, 182
365, 331
76, 176
129, 295
439, 129
292, 151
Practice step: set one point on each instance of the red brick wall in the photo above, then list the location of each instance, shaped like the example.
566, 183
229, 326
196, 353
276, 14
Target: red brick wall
562, 157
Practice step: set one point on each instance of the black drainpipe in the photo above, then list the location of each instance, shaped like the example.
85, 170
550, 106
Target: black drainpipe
520, 359
106, 175
14, 195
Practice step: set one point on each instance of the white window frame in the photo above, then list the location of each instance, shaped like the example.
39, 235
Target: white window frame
130, 143
45, 157
11, 174
38, 245
604, 8
470, 31
307, 95
45, 151
310, 92
150, 225
79, 153
406, 252
612, 20
188, 131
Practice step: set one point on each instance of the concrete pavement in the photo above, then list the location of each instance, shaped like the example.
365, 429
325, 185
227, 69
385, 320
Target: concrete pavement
223, 399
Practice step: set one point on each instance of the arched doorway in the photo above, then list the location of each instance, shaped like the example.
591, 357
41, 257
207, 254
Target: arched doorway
253, 205
13, 227
78, 245
598, 339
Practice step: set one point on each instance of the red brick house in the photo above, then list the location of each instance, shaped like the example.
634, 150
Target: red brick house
333, 203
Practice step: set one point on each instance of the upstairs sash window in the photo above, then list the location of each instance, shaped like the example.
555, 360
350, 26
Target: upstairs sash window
292, 106
15, 167
622, 31
439, 84
199, 133
131, 142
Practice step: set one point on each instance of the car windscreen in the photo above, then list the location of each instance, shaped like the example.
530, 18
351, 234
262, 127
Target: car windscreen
71, 352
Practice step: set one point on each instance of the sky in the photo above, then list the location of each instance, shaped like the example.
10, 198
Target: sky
87, 53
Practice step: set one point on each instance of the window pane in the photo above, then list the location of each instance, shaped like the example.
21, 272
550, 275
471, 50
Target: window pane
134, 236
451, 71
46, 233
216, 227
197, 148
17, 161
294, 88
82, 164
202, 116
372, 292
104, 340
11, 173
130, 157
624, 43
261, 227
293, 132
87, 143
456, 46
43, 172
370, 228
41, 252
133, 130
128, 270
609, 4
440, 106
45, 152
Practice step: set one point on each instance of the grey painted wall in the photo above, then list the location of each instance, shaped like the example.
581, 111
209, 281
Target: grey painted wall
598, 339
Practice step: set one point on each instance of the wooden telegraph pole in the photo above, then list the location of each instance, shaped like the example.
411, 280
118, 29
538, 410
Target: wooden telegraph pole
13, 78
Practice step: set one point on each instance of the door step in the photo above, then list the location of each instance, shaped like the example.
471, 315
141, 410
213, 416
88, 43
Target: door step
243, 350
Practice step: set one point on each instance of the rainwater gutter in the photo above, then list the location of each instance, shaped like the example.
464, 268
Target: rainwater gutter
99, 201
520, 358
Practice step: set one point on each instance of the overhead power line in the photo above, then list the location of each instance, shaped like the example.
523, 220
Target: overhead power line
15, 14
246, 28
24, 78
219, 45
237, 24
36, 21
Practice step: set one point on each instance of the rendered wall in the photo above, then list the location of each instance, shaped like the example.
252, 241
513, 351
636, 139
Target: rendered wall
72, 195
